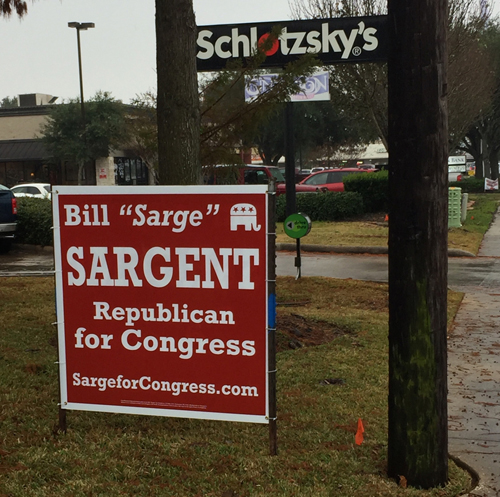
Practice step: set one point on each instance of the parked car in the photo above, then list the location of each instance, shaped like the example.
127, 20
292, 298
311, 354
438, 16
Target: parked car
300, 174
8, 218
318, 168
37, 190
323, 181
241, 174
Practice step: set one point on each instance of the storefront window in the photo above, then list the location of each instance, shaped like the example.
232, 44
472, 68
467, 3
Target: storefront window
130, 171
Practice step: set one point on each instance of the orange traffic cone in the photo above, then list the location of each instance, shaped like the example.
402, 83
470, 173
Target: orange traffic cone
386, 217
359, 434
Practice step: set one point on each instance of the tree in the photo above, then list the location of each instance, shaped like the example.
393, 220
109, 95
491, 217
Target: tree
359, 89
318, 127
8, 102
228, 123
105, 129
363, 87
178, 105
7, 6
142, 124
483, 139
469, 96
472, 143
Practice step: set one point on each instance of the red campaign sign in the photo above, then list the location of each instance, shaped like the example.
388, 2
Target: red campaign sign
162, 301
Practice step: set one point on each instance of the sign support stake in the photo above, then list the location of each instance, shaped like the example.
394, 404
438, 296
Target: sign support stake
271, 331
298, 262
63, 427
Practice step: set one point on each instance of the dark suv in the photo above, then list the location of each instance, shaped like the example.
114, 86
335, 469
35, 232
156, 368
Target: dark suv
241, 174
8, 218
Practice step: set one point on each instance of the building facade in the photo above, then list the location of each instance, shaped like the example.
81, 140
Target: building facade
24, 158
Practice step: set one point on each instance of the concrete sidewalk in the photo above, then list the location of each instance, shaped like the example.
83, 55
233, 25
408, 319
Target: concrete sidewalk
474, 377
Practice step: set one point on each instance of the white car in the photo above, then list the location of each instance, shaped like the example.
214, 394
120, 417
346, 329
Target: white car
37, 190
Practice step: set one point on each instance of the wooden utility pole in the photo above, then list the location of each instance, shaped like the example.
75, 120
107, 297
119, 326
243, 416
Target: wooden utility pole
418, 226
178, 103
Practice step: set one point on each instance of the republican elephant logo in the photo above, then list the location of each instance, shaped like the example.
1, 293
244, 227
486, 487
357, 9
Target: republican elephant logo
244, 215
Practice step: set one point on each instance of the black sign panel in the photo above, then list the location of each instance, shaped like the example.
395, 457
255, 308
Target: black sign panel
346, 39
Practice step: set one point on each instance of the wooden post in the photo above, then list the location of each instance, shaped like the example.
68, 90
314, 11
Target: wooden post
271, 326
418, 227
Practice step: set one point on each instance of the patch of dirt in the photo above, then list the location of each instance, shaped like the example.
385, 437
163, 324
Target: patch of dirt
295, 331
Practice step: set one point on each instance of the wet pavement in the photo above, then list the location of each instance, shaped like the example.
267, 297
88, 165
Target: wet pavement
25, 260
464, 273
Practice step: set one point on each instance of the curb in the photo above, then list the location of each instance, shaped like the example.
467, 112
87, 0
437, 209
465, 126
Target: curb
25, 247
355, 250
473, 473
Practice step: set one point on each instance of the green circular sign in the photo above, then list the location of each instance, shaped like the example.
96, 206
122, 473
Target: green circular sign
297, 225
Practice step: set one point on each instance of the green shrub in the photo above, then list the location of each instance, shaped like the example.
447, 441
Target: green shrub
324, 206
34, 221
469, 185
373, 188
35, 215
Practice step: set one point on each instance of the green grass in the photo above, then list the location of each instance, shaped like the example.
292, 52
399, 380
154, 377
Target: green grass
479, 216
369, 233
344, 233
116, 455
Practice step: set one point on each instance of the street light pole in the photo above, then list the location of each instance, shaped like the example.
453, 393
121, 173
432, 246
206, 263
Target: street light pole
79, 26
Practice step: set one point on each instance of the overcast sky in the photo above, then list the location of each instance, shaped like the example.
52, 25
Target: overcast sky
39, 53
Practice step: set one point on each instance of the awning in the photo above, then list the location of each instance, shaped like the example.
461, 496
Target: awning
22, 150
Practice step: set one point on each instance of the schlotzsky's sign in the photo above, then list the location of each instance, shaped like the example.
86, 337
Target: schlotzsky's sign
162, 302
347, 39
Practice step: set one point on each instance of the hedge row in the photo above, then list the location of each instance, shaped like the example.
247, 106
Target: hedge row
34, 221
324, 206
469, 185
367, 192
373, 188
34, 215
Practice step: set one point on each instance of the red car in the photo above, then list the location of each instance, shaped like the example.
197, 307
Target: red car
329, 180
